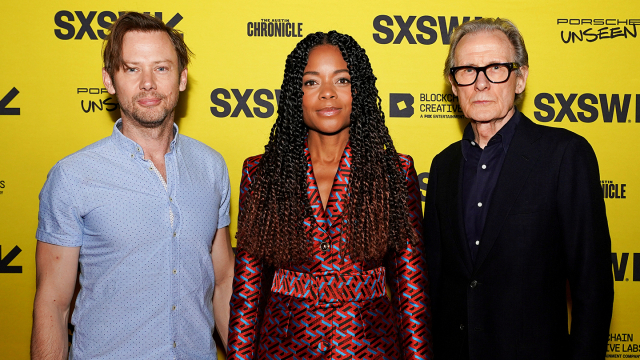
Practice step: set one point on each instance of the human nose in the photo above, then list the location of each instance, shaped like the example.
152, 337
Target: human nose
147, 81
327, 91
482, 82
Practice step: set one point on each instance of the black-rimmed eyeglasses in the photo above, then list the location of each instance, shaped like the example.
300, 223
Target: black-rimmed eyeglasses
495, 73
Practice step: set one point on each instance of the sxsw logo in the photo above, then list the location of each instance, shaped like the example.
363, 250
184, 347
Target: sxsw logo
397, 29
620, 266
423, 179
400, 105
263, 99
77, 24
611, 106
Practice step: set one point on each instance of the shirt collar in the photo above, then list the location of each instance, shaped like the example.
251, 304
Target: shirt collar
504, 135
131, 147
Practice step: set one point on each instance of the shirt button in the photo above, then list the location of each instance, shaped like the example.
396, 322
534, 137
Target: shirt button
324, 246
138, 148
484, 166
461, 326
473, 284
473, 143
479, 204
171, 199
132, 156
174, 344
175, 271
477, 242
173, 307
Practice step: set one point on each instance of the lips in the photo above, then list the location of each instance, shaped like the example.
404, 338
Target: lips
482, 102
149, 101
328, 111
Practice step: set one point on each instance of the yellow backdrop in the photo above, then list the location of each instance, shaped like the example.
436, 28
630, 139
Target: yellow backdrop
583, 76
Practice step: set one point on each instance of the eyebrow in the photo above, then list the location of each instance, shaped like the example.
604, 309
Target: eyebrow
124, 62
317, 73
489, 63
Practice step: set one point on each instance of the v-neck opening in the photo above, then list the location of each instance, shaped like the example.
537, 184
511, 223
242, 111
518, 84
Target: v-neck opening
340, 181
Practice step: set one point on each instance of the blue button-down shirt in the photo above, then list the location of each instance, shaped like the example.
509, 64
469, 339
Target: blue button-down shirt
480, 175
147, 281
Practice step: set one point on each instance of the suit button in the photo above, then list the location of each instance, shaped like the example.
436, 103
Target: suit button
324, 246
461, 326
473, 284
323, 346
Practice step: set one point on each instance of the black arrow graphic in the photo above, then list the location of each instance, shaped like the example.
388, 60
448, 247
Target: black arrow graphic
4, 110
174, 20
4, 262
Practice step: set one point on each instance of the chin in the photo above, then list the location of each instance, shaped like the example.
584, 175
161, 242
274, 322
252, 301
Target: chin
483, 116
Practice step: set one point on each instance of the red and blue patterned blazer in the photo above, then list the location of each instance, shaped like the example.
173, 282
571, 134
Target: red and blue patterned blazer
331, 307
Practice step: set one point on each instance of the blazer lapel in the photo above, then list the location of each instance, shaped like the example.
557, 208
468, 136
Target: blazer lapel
452, 181
314, 194
517, 166
338, 196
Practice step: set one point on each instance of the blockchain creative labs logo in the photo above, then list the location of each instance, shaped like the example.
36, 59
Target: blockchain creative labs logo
416, 29
401, 105
249, 103
274, 28
622, 345
4, 102
610, 108
78, 25
431, 106
92, 100
590, 30
613, 190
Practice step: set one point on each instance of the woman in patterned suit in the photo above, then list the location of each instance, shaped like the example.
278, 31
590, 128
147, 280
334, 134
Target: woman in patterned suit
329, 214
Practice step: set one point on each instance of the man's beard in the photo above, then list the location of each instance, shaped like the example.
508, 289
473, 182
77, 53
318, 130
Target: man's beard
146, 117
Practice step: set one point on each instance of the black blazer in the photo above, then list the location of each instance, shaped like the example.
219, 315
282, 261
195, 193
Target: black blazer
545, 235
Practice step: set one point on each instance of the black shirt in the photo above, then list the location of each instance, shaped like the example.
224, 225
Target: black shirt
480, 175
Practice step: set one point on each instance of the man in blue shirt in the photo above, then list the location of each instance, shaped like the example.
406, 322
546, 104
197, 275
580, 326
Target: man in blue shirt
145, 212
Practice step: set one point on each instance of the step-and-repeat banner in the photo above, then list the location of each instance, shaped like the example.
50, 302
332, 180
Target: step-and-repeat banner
584, 76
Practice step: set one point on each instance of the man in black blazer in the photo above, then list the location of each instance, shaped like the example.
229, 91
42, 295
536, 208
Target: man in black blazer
515, 220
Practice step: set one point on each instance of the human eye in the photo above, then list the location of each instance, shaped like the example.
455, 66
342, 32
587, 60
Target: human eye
129, 69
497, 69
466, 70
344, 80
310, 83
